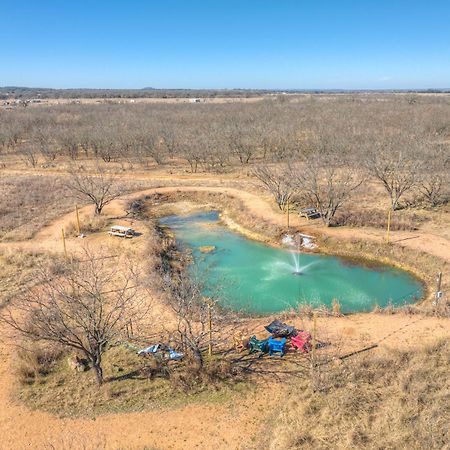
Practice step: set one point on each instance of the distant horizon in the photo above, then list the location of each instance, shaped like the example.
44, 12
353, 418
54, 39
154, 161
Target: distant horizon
37, 88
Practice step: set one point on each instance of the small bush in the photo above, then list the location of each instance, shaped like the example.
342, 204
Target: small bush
36, 362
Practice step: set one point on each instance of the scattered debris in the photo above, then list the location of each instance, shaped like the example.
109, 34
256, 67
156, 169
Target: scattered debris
163, 350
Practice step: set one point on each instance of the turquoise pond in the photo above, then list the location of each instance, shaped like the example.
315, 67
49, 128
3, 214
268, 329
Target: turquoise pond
260, 279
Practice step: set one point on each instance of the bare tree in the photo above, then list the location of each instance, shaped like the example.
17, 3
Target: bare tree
433, 179
29, 154
169, 138
278, 181
100, 189
152, 146
243, 136
395, 163
326, 182
186, 299
69, 141
46, 147
192, 152
210, 142
87, 309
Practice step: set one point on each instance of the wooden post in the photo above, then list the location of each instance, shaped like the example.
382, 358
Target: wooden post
288, 214
78, 220
210, 330
64, 243
129, 328
388, 225
314, 340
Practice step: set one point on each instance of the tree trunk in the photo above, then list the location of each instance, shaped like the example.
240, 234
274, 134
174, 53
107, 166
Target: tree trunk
394, 202
198, 357
98, 369
98, 373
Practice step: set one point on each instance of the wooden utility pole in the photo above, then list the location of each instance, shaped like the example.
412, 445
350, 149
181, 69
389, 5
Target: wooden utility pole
288, 214
64, 243
314, 339
78, 220
388, 225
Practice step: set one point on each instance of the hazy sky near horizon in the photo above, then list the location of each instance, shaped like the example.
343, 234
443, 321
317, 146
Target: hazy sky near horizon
285, 44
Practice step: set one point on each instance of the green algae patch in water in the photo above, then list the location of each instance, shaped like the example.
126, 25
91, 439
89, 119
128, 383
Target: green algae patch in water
259, 279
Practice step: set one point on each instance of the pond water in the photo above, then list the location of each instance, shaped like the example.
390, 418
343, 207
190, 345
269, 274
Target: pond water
260, 279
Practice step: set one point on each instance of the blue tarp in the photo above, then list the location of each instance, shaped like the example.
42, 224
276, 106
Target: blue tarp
173, 355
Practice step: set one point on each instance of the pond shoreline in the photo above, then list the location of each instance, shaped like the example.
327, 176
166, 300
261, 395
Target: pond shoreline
364, 253
361, 259
330, 278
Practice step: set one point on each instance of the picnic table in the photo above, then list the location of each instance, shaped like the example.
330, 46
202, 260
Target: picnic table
309, 213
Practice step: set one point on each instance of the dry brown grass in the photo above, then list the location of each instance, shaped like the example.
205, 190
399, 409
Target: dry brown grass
386, 400
18, 270
28, 202
33, 364
133, 383
89, 224
401, 220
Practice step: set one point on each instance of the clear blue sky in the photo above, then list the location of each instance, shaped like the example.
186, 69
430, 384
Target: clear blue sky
283, 44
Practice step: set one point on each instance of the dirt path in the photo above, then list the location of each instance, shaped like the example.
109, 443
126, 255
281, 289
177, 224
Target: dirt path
262, 207
220, 426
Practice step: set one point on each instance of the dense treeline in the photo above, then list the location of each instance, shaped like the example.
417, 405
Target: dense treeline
24, 93
298, 142
30, 93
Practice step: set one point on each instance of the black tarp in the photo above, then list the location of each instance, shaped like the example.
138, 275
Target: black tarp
280, 329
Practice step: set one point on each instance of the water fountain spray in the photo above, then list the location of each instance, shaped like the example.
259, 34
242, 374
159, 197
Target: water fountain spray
296, 256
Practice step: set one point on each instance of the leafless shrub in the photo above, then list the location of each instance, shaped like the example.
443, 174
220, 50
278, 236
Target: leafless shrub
91, 224
29, 155
278, 181
395, 162
326, 182
192, 311
433, 179
100, 189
